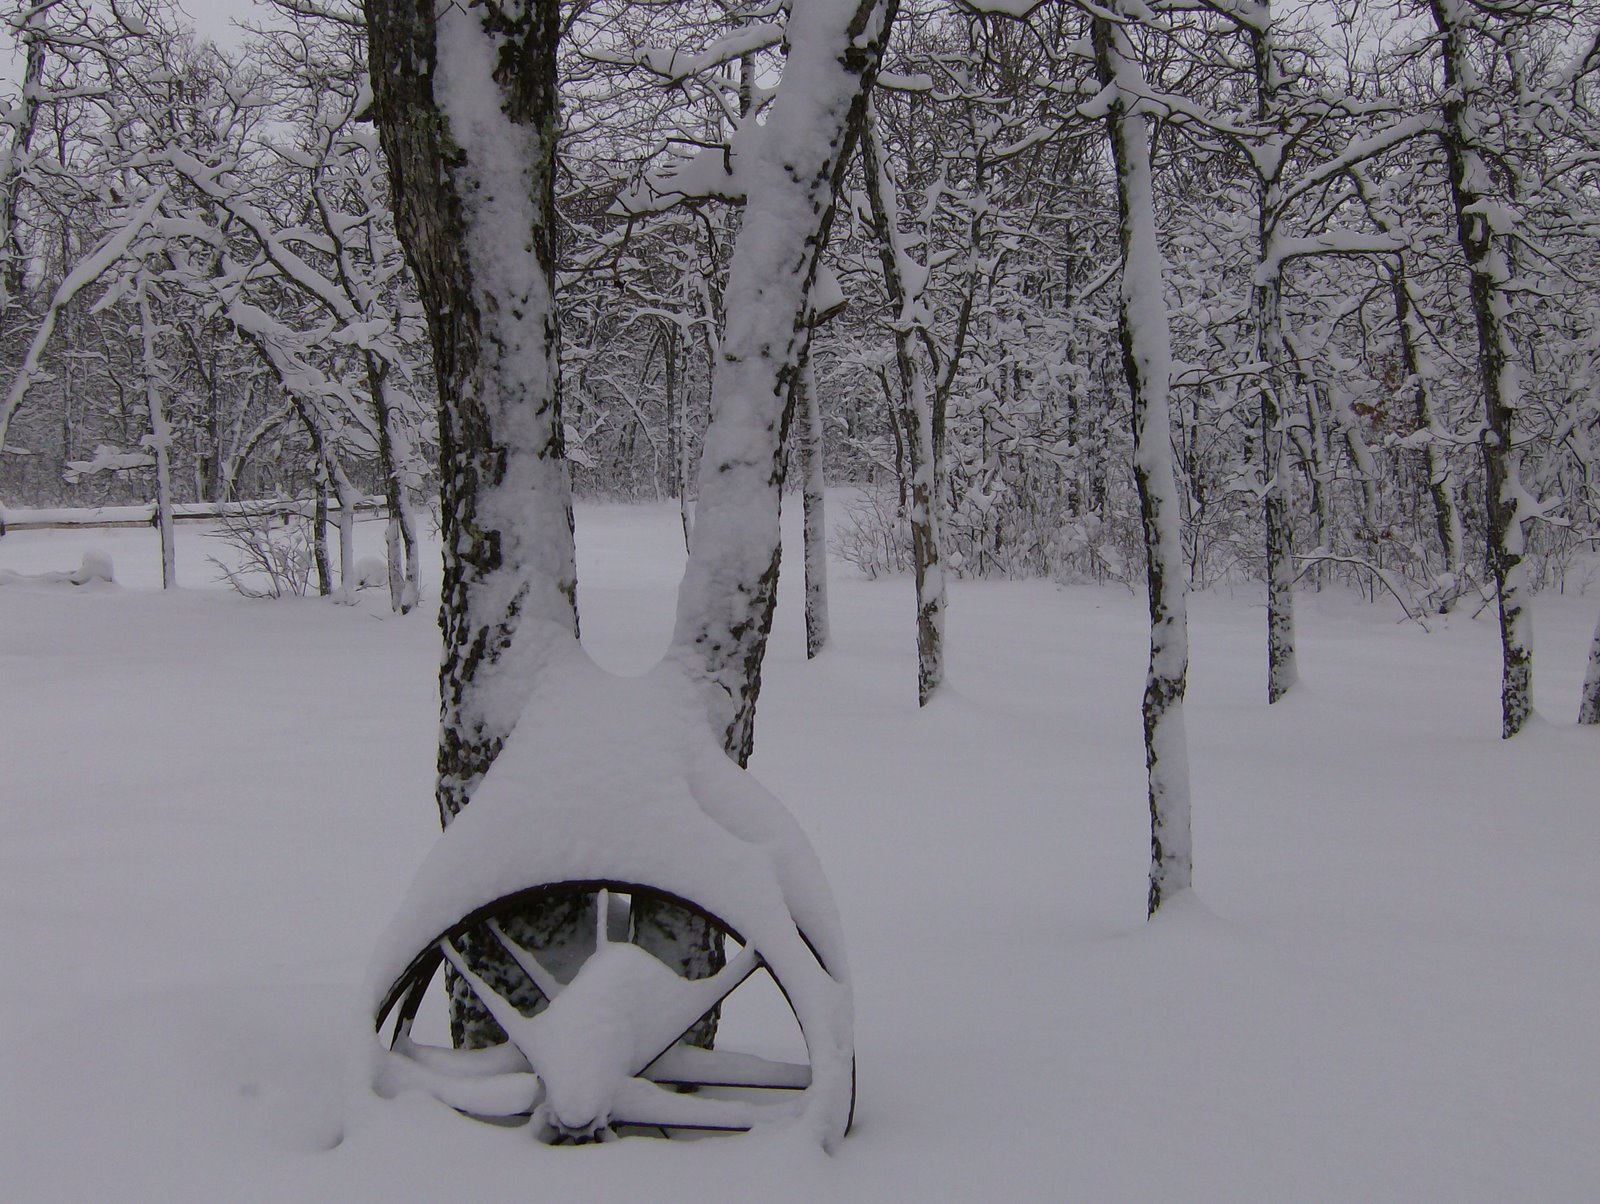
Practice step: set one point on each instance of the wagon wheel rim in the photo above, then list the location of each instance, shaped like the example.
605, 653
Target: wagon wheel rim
506, 1082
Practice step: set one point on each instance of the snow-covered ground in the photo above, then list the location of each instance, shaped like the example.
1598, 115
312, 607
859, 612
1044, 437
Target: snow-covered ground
1385, 990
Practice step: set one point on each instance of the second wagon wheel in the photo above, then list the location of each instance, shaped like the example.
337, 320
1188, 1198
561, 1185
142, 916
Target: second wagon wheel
672, 819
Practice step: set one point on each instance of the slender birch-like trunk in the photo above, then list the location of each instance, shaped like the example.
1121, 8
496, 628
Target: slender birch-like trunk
347, 496
394, 452
1493, 302
1441, 480
914, 412
677, 399
1272, 353
160, 439
1147, 361
319, 526
808, 441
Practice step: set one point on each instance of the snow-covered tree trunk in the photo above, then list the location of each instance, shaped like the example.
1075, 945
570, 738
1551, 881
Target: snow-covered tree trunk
927, 544
400, 532
1493, 289
1272, 354
1441, 479
808, 439
677, 400
914, 410
1589, 704
466, 104
1147, 361
347, 495
160, 440
394, 454
729, 587
1314, 444
319, 528
21, 123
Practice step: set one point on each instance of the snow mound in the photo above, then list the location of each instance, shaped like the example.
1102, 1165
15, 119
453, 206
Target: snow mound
94, 569
371, 572
96, 566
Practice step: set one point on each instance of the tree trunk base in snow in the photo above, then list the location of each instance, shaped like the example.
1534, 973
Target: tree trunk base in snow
688, 942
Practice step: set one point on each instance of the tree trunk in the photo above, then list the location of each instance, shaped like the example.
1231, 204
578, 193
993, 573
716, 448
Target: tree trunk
319, 528
1589, 704
474, 197
1493, 301
808, 439
729, 588
160, 441
1441, 481
14, 157
914, 419
1273, 354
347, 496
1147, 361
394, 453
927, 542
678, 427
1316, 451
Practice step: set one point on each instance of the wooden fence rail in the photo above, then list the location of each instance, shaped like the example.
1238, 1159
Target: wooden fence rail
144, 514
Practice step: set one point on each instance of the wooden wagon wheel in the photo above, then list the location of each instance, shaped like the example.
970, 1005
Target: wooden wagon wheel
604, 1055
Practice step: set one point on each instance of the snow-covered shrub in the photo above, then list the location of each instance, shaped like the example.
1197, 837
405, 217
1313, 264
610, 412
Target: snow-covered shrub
874, 536
272, 560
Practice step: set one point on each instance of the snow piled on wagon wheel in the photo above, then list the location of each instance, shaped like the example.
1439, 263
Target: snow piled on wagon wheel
613, 779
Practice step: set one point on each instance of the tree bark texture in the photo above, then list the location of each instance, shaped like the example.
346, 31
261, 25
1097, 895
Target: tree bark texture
319, 521
726, 600
1589, 704
914, 418
729, 588
808, 440
1441, 481
473, 189
1147, 360
394, 450
1272, 353
160, 439
12, 262
1489, 267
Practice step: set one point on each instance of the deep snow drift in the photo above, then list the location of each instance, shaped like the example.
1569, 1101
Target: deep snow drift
1384, 989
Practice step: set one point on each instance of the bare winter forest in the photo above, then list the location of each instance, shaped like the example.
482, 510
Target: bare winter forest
1242, 307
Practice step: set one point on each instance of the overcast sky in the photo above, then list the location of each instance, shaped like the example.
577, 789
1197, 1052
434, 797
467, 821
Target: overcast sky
213, 20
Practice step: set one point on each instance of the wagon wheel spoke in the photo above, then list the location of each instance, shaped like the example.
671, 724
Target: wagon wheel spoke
504, 1058
641, 1102
549, 986
464, 1082
698, 996
688, 1065
517, 1027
